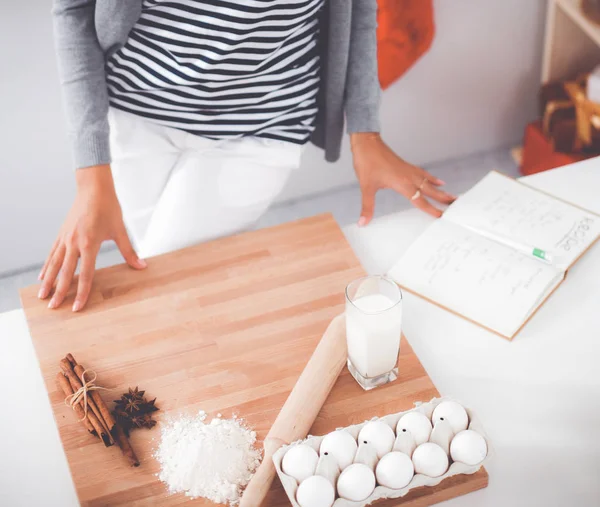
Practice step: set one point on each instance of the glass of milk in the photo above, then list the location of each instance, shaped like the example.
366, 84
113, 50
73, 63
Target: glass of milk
373, 329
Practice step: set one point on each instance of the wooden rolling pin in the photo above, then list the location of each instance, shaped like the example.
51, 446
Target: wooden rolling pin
302, 406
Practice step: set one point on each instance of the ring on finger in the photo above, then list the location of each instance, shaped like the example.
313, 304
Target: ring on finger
416, 195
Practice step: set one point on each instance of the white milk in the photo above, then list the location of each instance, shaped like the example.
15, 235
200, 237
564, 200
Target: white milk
373, 338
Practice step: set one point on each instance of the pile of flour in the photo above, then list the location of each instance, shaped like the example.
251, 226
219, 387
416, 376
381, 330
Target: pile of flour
213, 461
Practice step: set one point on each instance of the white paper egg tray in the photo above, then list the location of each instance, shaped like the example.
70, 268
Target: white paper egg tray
291, 485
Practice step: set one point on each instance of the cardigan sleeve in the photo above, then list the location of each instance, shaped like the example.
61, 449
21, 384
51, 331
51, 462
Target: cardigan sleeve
363, 91
81, 70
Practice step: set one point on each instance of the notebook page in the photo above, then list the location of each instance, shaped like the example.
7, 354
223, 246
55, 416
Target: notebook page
480, 279
549, 290
502, 206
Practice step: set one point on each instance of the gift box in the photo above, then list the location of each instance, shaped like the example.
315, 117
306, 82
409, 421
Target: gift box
539, 152
587, 117
567, 132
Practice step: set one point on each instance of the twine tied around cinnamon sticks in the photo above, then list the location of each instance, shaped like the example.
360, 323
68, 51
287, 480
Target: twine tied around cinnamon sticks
75, 399
98, 419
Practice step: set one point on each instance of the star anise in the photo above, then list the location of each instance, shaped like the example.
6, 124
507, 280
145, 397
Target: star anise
133, 405
133, 410
143, 421
148, 407
149, 423
135, 393
137, 421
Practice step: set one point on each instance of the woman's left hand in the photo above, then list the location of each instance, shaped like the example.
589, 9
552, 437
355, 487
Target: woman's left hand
377, 167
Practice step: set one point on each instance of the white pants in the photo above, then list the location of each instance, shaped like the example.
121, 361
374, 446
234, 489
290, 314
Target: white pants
177, 189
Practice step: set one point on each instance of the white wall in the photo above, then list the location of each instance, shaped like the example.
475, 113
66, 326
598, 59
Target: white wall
36, 180
474, 91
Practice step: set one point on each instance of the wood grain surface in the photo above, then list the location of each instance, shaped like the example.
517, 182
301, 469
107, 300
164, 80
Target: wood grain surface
226, 327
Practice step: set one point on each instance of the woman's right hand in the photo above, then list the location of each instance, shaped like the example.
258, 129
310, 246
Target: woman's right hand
94, 217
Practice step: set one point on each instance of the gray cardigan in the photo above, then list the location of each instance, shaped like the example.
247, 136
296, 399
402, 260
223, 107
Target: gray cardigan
88, 31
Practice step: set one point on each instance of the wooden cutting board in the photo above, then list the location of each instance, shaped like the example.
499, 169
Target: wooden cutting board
225, 327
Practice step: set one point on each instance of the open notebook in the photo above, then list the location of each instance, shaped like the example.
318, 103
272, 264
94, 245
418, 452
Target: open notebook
484, 259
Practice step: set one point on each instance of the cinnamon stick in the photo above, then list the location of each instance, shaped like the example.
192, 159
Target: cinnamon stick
107, 439
65, 385
99, 418
76, 384
71, 360
126, 449
106, 415
90, 421
66, 367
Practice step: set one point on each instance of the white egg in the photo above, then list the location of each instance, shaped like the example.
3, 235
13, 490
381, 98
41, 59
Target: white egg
468, 447
379, 434
300, 462
395, 470
417, 424
316, 491
341, 445
452, 412
356, 482
430, 459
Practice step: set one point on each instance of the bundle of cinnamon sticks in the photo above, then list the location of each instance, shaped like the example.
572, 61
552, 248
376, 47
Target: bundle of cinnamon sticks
92, 410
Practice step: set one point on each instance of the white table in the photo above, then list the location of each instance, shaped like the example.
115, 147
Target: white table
538, 396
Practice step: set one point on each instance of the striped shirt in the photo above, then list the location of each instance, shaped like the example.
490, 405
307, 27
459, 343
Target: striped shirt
222, 68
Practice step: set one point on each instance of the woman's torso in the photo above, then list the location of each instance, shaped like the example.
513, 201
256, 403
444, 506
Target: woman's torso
221, 69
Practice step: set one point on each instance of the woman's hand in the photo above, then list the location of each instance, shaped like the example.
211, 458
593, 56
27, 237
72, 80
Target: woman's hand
377, 166
94, 217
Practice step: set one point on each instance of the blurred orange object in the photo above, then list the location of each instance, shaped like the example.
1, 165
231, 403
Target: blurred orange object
539, 153
405, 31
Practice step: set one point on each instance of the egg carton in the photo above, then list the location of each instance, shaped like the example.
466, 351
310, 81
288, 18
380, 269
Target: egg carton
381, 492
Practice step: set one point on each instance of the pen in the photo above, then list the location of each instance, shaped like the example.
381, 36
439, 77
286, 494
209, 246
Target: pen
538, 253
